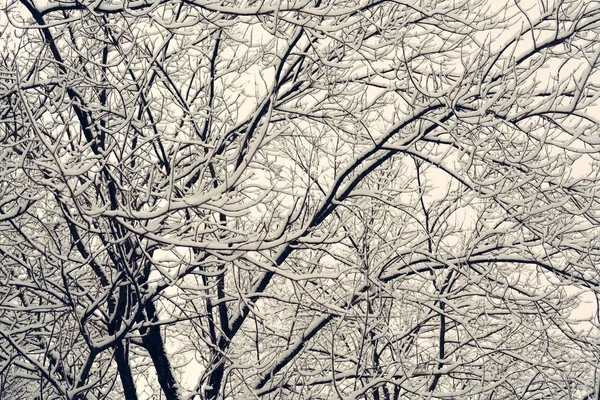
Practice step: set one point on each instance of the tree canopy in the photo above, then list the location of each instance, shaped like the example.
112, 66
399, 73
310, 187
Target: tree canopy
305, 199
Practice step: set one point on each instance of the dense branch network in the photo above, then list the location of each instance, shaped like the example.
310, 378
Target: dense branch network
304, 199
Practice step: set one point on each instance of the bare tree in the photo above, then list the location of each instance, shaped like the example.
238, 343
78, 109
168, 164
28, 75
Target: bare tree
305, 199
